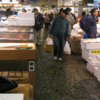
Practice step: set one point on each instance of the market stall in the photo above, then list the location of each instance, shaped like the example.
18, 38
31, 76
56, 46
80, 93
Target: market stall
17, 49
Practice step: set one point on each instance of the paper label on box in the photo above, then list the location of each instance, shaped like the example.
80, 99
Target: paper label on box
95, 52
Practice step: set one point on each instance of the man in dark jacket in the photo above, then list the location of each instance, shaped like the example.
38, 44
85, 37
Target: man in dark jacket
60, 30
50, 17
89, 24
38, 28
83, 19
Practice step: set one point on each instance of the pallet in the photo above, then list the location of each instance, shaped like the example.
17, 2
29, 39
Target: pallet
15, 75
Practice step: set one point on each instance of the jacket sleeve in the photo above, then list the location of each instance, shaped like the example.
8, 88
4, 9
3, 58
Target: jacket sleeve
42, 20
67, 35
52, 26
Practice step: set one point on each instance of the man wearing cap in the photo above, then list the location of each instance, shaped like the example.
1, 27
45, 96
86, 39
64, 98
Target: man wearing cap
38, 32
60, 31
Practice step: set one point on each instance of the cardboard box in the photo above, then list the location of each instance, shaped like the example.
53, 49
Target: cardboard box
76, 50
76, 47
77, 37
75, 43
48, 48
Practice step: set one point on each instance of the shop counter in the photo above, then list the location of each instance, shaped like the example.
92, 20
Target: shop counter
12, 59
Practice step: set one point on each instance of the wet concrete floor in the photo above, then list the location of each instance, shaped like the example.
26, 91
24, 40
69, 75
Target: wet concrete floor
66, 80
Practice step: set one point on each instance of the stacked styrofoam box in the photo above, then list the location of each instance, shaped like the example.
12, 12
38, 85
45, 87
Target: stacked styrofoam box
26, 19
92, 63
93, 66
96, 71
88, 46
12, 21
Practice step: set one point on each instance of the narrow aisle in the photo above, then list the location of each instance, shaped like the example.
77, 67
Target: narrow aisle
67, 80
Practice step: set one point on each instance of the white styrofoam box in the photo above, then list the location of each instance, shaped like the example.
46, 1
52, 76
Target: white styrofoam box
91, 50
26, 22
98, 78
11, 96
99, 66
26, 15
98, 57
90, 65
94, 62
90, 43
96, 72
86, 56
90, 53
13, 21
90, 69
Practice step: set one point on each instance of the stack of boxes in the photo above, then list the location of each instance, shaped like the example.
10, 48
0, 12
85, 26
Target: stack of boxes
23, 19
90, 48
13, 21
26, 19
93, 67
75, 44
92, 63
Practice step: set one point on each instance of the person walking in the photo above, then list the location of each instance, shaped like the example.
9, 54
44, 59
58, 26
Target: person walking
38, 28
46, 21
50, 17
60, 31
